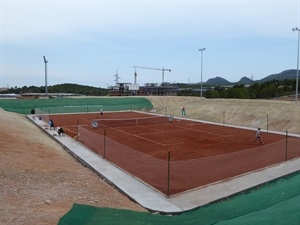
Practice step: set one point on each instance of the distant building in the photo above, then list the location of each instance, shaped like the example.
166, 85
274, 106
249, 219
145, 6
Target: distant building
3, 88
124, 89
128, 89
155, 89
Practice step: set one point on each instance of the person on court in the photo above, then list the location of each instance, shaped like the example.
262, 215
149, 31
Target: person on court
258, 136
33, 114
183, 112
60, 131
101, 113
51, 123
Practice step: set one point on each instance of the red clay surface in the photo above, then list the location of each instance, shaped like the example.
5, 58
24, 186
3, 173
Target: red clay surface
200, 153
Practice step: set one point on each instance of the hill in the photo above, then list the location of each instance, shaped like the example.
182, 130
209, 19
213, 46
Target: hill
60, 88
284, 75
245, 80
218, 81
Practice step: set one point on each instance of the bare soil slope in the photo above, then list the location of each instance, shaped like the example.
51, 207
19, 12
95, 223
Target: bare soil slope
40, 181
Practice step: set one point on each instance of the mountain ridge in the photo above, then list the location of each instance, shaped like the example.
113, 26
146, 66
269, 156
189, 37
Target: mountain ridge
220, 81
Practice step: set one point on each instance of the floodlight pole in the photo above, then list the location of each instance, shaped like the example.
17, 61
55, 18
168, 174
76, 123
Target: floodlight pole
201, 50
46, 86
297, 74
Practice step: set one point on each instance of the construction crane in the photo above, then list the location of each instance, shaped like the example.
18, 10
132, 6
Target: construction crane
149, 68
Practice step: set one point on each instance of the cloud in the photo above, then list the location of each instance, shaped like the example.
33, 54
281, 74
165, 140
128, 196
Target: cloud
101, 36
25, 20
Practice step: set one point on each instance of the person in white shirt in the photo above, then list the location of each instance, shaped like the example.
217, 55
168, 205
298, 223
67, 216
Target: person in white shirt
258, 136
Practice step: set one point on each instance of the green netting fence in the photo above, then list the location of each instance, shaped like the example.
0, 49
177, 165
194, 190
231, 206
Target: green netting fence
72, 105
276, 203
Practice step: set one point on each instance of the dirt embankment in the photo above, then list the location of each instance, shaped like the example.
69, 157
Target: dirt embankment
268, 114
40, 181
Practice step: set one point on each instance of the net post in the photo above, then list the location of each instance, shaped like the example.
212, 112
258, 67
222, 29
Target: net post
223, 118
49, 117
286, 144
77, 129
104, 144
169, 165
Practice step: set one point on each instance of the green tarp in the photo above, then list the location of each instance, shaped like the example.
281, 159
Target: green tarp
277, 203
71, 105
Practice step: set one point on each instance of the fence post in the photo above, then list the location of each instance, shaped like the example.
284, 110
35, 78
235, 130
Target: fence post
267, 123
104, 143
168, 188
286, 143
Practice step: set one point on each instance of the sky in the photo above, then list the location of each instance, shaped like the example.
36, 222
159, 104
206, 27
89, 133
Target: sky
88, 42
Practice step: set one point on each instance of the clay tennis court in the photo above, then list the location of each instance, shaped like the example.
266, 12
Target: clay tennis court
176, 156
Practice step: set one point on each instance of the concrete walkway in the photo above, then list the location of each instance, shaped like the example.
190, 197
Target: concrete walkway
153, 200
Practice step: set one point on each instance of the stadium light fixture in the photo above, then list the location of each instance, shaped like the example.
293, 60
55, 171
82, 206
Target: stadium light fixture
201, 50
46, 85
297, 74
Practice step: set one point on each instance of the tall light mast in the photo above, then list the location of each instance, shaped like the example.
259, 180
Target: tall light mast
46, 85
201, 50
297, 73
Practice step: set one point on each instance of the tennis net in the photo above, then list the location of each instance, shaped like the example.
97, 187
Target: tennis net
131, 121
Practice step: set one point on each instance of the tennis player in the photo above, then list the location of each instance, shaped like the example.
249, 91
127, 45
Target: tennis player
183, 112
51, 123
258, 136
101, 113
33, 114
